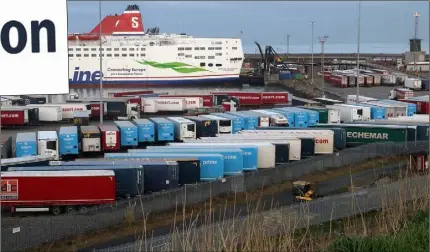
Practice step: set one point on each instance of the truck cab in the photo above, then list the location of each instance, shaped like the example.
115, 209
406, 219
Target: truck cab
133, 112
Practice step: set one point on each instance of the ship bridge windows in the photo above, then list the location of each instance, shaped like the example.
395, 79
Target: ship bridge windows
202, 64
188, 48
188, 56
124, 55
70, 49
123, 49
108, 55
235, 59
180, 48
143, 49
218, 54
151, 43
70, 55
196, 48
142, 55
131, 49
202, 57
202, 48
108, 49
116, 55
234, 48
196, 57
211, 57
210, 64
101, 49
218, 48
78, 49
218, 65
86, 55
93, 49
116, 49
181, 54
131, 55
86, 49
78, 55
94, 55
211, 48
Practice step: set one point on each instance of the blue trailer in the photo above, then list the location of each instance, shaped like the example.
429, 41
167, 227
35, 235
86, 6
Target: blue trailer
128, 133
249, 153
288, 114
237, 122
233, 157
26, 144
251, 121
301, 119
376, 112
314, 116
164, 129
146, 131
411, 108
211, 165
68, 140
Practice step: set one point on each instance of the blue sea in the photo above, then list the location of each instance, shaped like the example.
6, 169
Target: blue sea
339, 48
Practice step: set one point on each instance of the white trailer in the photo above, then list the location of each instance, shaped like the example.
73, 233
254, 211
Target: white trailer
351, 99
412, 83
366, 111
47, 143
324, 139
49, 113
348, 114
164, 104
414, 118
184, 128
224, 124
67, 109
266, 151
275, 119
263, 120
91, 138
193, 102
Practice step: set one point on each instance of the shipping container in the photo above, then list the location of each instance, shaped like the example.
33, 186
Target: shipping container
49, 113
357, 134
245, 98
146, 130
155, 105
314, 117
395, 109
211, 165
208, 100
6, 147
164, 129
301, 118
110, 137
47, 143
327, 101
411, 109
287, 114
68, 140
161, 176
376, 112
204, 127
233, 158
91, 139
324, 140
390, 111
365, 110
297, 101
422, 103
274, 97
95, 109
81, 118
238, 123
412, 83
250, 122
183, 128
266, 151
348, 114
326, 115
66, 108
275, 118
224, 124
56, 191
263, 120
128, 132
422, 128
425, 84
25, 145
38, 160
15, 116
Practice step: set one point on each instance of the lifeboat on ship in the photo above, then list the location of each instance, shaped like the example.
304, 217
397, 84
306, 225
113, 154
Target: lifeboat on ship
71, 37
88, 37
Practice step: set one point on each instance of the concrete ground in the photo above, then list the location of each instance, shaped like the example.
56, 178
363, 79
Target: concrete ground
381, 92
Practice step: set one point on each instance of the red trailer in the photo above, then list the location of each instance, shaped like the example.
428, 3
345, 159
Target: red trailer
121, 94
110, 139
423, 105
274, 97
208, 100
245, 98
339, 80
14, 117
56, 191
95, 109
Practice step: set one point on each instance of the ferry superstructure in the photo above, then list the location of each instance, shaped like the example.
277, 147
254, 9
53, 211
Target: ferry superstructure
133, 58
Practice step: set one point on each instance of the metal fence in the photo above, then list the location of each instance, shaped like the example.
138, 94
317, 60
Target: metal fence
284, 219
34, 231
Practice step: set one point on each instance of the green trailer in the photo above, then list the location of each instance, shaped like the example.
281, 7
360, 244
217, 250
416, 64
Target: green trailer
422, 128
358, 134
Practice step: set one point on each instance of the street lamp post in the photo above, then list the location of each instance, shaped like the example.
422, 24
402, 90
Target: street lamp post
101, 64
358, 50
312, 54
322, 41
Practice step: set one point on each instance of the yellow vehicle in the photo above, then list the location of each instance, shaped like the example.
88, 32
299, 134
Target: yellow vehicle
303, 191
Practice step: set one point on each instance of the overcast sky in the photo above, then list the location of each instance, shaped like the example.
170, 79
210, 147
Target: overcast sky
269, 22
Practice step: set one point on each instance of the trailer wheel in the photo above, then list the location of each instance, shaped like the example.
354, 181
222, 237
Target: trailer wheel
132, 118
56, 210
70, 209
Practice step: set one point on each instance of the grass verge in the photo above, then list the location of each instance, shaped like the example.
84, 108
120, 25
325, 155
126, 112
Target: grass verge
152, 221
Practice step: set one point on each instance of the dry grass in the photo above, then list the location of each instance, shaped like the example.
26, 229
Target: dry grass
147, 223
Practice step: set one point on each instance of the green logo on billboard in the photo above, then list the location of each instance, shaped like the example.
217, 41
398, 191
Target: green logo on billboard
175, 66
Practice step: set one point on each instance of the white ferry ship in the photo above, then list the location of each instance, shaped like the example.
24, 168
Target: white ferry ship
134, 58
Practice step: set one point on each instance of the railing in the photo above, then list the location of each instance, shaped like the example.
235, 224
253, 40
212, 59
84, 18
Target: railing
35, 231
